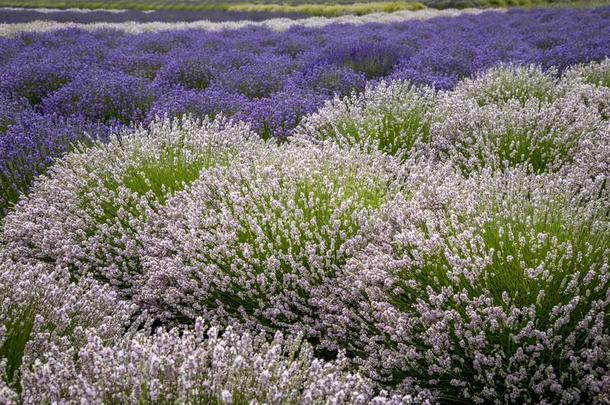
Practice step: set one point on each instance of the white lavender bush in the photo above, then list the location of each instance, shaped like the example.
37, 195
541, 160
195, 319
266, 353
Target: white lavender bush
40, 307
261, 240
540, 137
591, 82
511, 83
86, 214
499, 294
595, 73
391, 117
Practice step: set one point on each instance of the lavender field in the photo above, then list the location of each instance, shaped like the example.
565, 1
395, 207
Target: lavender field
393, 209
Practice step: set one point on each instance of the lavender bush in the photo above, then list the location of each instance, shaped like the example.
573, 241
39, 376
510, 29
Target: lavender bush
594, 73
103, 97
87, 214
41, 308
511, 83
494, 289
541, 137
594, 86
259, 241
391, 117
31, 142
269, 79
65, 342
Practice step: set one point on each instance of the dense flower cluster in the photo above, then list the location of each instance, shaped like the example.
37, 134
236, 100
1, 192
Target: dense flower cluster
90, 81
542, 137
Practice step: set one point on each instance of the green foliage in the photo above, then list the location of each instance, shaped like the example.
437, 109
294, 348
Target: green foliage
171, 172
16, 336
331, 10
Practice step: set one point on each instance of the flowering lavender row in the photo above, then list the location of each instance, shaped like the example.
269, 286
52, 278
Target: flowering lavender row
430, 246
17, 15
71, 85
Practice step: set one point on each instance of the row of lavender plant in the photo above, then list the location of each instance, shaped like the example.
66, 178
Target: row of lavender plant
10, 15
60, 87
430, 246
275, 24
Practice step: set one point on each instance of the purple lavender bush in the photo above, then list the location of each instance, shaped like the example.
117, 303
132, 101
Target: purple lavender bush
102, 97
207, 103
32, 141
